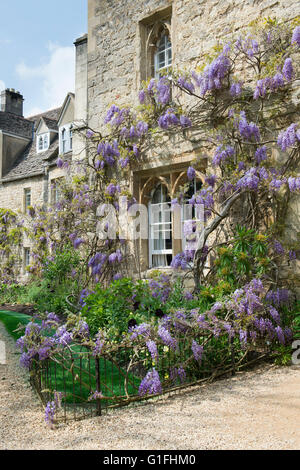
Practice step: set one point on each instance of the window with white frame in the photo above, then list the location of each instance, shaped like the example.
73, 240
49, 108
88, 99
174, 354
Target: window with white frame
55, 190
163, 55
160, 228
191, 216
42, 142
26, 257
66, 138
27, 199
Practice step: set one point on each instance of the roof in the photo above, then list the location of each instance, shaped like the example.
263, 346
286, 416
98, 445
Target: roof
30, 162
9, 122
51, 115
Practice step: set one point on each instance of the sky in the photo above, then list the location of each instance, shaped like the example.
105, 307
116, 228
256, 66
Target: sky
37, 55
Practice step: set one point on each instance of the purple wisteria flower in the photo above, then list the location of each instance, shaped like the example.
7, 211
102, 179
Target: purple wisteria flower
261, 154
280, 335
188, 296
95, 396
211, 180
278, 248
185, 121
279, 297
294, 184
197, 351
151, 384
78, 242
183, 260
59, 163
99, 343
275, 315
236, 89
250, 180
191, 173
185, 83
141, 128
166, 338
214, 74
296, 36
289, 137
222, 154
63, 337
151, 345
142, 96
249, 131
50, 412
116, 257
287, 70
112, 189
110, 114
143, 330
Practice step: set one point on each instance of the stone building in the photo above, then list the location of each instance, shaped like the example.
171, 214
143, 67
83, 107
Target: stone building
129, 42
31, 146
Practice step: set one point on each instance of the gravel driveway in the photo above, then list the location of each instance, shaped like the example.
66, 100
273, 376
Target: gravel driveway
255, 410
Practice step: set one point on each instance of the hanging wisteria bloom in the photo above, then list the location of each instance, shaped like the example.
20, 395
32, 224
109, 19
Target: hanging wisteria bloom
166, 337
236, 89
296, 36
222, 154
191, 173
287, 69
186, 84
50, 412
261, 154
214, 74
294, 183
151, 345
289, 137
151, 384
247, 130
197, 351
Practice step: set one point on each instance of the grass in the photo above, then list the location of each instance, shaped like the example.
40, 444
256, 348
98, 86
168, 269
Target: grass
12, 320
62, 379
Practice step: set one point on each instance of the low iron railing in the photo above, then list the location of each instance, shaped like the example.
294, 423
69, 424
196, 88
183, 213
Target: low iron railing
89, 386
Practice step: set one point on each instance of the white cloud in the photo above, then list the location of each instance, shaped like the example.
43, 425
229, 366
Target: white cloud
57, 75
2, 85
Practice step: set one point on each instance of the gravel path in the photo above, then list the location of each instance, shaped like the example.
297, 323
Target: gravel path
255, 410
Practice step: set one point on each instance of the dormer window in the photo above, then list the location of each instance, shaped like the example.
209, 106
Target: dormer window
43, 142
66, 138
163, 56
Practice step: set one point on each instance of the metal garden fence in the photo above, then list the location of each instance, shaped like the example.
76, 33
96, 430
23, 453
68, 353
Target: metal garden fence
89, 386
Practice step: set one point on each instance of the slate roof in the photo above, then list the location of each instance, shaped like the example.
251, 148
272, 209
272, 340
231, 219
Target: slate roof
30, 162
9, 122
52, 114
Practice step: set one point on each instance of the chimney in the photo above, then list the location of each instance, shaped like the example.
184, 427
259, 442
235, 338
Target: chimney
12, 102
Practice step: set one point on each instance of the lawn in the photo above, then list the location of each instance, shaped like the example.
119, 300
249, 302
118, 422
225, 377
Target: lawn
77, 386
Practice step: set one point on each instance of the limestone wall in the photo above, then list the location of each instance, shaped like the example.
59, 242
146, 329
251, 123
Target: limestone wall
115, 44
12, 193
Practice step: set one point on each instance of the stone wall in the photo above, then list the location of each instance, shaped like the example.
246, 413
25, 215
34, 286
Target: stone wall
115, 46
12, 193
